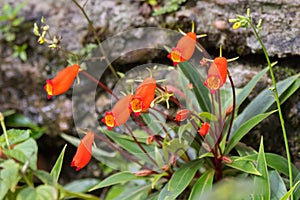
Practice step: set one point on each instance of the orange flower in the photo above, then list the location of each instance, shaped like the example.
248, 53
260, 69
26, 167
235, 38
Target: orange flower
143, 97
119, 114
184, 48
217, 74
182, 115
62, 81
204, 129
84, 152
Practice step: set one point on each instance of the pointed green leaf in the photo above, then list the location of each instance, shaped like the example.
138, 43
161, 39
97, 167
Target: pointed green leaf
276, 162
243, 165
15, 136
135, 193
200, 90
297, 187
82, 185
204, 184
55, 172
230, 189
263, 191
180, 180
42, 192
44, 176
66, 194
25, 152
241, 96
278, 188
127, 143
244, 129
290, 192
120, 177
157, 177
262, 102
9, 176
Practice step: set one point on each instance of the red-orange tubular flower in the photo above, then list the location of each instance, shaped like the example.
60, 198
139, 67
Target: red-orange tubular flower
84, 152
119, 114
62, 81
217, 74
143, 97
204, 129
184, 49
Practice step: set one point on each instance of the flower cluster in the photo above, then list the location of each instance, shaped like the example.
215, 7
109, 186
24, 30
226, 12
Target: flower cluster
137, 103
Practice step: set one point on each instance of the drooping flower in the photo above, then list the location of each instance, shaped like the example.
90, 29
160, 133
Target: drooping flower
182, 115
204, 129
217, 74
143, 97
119, 114
184, 49
62, 81
84, 152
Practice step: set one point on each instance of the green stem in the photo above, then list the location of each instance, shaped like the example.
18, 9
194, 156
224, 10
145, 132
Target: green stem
277, 102
97, 39
4, 130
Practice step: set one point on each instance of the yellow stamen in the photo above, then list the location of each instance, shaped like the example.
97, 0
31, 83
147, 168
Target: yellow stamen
213, 83
136, 105
110, 120
175, 55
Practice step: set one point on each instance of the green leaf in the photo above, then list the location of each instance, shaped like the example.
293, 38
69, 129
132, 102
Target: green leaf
180, 180
241, 96
130, 146
208, 116
44, 176
297, 187
55, 171
244, 129
117, 178
21, 121
243, 165
82, 185
183, 129
114, 192
42, 192
262, 102
14, 136
25, 152
17, 9
157, 177
276, 162
291, 90
278, 188
230, 189
204, 184
66, 194
290, 192
263, 191
200, 90
135, 193
17, 21
9, 176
